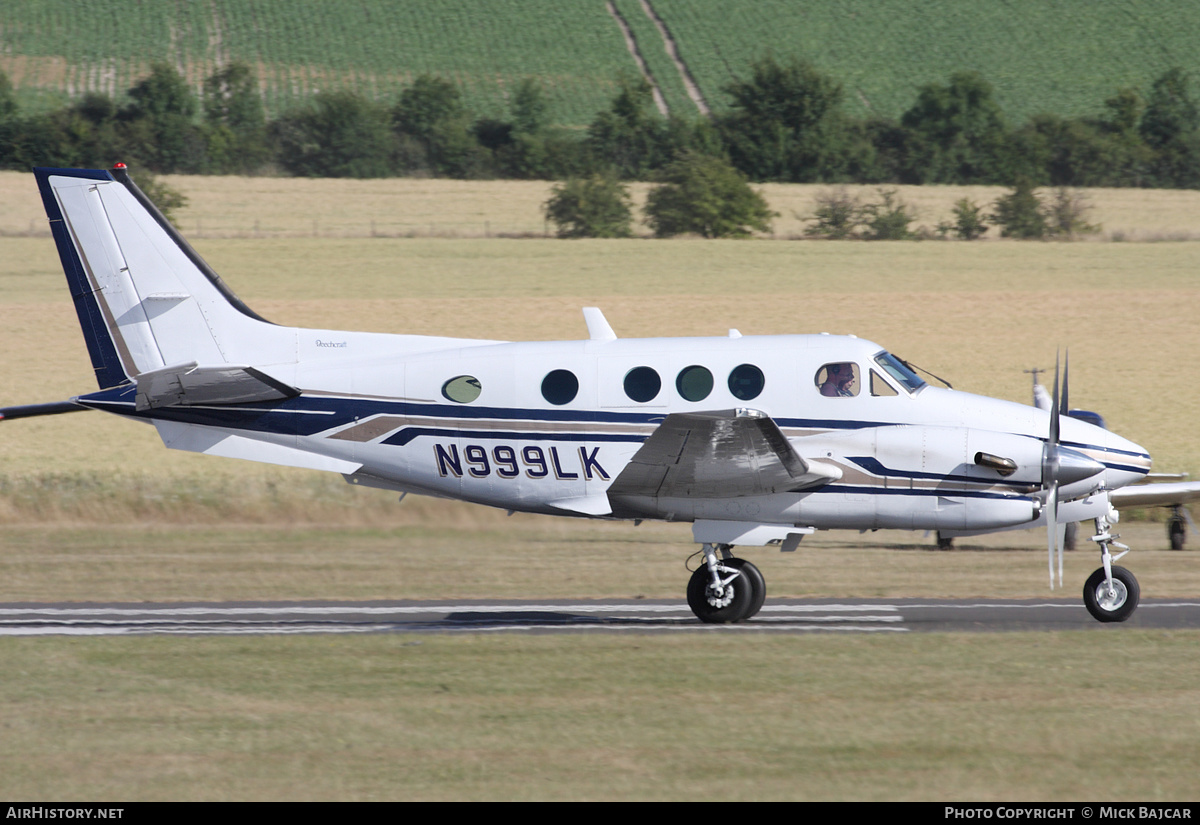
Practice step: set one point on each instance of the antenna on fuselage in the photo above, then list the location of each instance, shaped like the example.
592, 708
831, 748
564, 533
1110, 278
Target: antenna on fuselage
1041, 398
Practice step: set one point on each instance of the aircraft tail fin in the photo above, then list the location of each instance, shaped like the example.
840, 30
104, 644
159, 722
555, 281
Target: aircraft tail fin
145, 299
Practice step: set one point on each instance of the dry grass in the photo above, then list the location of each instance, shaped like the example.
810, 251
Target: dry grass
436, 550
266, 207
979, 718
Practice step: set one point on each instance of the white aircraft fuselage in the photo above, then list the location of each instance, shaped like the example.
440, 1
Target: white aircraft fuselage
754, 439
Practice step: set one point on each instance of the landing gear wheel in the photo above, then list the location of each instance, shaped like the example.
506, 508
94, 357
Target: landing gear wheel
1116, 606
758, 586
1177, 532
1069, 536
740, 599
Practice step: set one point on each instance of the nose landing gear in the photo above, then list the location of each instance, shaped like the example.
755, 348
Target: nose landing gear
1111, 593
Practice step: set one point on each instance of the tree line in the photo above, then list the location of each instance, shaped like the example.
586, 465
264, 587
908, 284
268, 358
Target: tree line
784, 121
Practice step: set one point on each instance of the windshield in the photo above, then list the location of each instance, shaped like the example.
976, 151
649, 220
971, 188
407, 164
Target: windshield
896, 368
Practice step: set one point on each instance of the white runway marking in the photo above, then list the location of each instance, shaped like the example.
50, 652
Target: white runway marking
349, 618
782, 616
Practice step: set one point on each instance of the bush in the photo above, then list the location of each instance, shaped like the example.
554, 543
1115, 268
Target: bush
888, 219
838, 216
969, 220
705, 195
595, 207
1065, 215
841, 216
1021, 214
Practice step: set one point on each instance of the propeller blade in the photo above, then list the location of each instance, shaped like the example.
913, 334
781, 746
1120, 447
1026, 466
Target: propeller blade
1060, 536
1052, 529
1050, 473
1054, 408
1064, 407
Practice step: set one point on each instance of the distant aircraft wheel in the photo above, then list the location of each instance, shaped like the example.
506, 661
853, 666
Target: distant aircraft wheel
1069, 536
1177, 532
735, 601
944, 542
1111, 607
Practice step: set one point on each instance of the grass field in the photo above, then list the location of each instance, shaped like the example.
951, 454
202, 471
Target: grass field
1016, 717
95, 508
1066, 57
434, 550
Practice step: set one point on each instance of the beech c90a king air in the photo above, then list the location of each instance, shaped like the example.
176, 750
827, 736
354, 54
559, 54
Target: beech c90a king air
754, 440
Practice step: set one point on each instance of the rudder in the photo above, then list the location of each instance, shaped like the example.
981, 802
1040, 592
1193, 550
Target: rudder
145, 299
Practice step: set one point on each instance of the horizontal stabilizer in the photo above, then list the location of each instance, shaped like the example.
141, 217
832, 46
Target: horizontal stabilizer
32, 410
190, 385
719, 454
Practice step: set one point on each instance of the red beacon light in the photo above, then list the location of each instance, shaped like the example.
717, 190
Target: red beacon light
119, 165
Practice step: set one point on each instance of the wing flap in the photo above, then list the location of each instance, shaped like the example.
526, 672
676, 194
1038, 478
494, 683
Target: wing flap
720, 454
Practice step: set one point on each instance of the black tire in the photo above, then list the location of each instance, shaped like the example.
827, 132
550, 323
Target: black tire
1177, 532
945, 542
758, 586
733, 607
1103, 609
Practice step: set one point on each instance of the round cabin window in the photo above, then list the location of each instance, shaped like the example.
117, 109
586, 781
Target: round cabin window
642, 384
746, 382
464, 389
560, 387
694, 383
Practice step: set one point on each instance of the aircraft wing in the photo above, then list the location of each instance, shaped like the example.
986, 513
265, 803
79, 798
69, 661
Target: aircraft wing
190, 384
720, 454
1156, 495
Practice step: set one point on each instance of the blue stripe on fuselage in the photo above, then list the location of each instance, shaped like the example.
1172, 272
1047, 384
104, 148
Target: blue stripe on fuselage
309, 415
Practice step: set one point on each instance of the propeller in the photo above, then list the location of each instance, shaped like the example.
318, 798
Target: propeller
1051, 471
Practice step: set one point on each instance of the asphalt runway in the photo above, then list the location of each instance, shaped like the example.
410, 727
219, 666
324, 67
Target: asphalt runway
575, 616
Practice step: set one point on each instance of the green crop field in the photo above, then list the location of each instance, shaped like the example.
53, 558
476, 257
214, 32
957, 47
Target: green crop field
1064, 57
299, 48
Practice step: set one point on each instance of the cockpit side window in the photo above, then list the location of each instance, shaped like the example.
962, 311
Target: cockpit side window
896, 368
838, 380
880, 387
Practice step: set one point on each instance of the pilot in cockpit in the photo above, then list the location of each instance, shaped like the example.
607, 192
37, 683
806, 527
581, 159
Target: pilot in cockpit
839, 381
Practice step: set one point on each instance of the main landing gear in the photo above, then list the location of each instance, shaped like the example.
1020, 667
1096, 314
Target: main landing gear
725, 589
1177, 527
1111, 593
